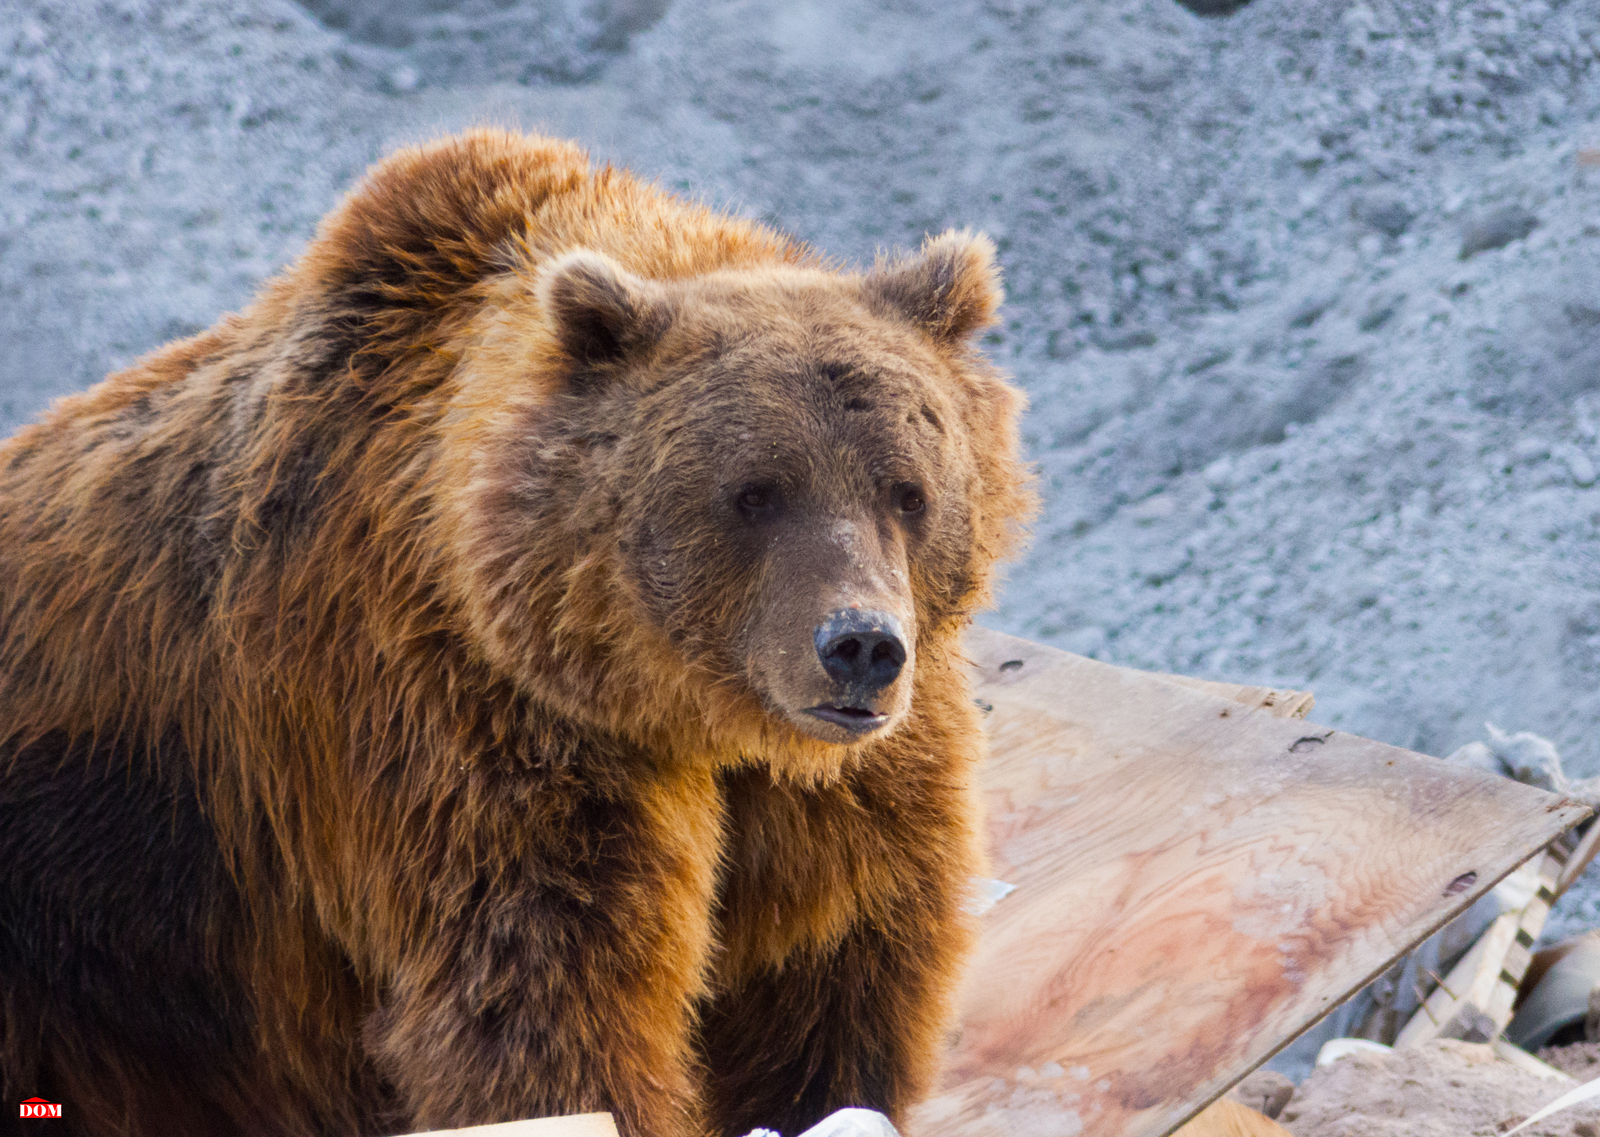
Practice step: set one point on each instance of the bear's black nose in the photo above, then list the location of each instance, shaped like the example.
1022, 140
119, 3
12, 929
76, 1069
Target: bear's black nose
861, 650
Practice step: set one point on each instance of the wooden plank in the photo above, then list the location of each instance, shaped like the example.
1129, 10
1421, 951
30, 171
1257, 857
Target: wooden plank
1530, 926
1458, 1005
1528, 1064
580, 1125
1474, 1002
1197, 882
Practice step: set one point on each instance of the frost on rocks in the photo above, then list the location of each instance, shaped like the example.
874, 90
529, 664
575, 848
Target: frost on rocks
1497, 229
474, 41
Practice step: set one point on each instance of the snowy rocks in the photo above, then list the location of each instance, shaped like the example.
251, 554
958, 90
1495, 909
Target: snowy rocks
1496, 230
1309, 310
1477, 756
523, 41
404, 78
1123, 339
1577, 462
1213, 7
1380, 309
1387, 212
1529, 758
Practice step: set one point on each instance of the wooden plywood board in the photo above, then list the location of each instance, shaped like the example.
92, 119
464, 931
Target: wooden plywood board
1198, 881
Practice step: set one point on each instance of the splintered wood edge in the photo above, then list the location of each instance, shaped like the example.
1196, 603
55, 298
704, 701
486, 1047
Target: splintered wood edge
579, 1125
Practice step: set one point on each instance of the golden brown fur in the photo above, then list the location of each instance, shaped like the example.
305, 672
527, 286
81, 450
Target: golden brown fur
401, 720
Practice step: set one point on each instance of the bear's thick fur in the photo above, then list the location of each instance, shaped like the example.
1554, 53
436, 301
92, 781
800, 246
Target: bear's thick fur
513, 668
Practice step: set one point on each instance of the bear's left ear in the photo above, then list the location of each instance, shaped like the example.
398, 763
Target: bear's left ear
950, 289
601, 312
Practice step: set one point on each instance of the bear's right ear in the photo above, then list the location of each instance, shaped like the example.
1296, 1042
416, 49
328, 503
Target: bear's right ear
601, 312
950, 290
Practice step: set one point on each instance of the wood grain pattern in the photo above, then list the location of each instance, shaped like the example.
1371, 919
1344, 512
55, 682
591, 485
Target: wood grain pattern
1282, 702
1198, 881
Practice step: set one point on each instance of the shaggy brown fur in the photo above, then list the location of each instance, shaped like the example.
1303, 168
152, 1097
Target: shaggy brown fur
410, 688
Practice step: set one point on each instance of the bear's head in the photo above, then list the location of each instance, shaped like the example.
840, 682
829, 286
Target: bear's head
743, 507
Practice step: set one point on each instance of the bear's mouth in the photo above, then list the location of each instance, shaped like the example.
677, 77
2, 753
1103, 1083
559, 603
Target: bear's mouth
857, 720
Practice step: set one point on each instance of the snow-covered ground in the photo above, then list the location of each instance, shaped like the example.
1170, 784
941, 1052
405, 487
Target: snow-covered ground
1287, 431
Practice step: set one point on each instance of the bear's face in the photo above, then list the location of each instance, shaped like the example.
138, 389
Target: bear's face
796, 482
799, 493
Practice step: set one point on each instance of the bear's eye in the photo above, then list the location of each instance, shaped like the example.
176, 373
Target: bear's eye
910, 499
757, 499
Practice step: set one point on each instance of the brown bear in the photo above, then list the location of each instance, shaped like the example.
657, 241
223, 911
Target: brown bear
511, 669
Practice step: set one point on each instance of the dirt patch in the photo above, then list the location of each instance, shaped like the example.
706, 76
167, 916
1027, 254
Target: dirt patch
1441, 1089
1580, 1059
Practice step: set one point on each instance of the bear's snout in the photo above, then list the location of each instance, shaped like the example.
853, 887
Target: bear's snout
863, 652
834, 644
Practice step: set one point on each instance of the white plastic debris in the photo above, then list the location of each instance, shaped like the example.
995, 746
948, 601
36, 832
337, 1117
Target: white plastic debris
986, 893
844, 1123
853, 1123
1337, 1048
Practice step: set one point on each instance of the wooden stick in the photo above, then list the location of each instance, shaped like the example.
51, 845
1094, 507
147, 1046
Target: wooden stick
1587, 846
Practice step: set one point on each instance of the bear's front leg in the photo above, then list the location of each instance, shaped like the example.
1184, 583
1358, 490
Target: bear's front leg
844, 924
555, 958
